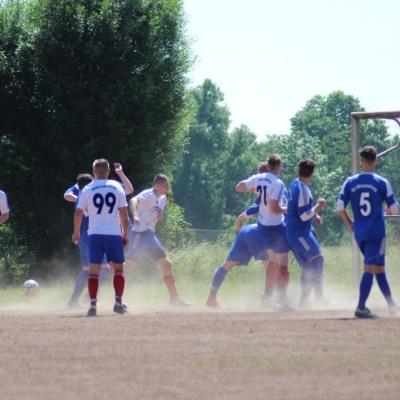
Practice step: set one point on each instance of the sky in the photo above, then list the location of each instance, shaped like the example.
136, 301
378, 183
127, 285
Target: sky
269, 57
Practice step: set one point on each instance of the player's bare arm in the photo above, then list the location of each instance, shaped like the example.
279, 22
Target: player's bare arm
241, 187
123, 217
346, 219
4, 218
70, 197
128, 188
133, 204
77, 225
275, 208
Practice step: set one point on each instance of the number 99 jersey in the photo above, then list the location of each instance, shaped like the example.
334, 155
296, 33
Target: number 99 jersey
101, 199
366, 193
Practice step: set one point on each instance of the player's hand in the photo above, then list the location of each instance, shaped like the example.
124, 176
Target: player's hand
117, 168
318, 219
136, 221
124, 239
75, 238
387, 211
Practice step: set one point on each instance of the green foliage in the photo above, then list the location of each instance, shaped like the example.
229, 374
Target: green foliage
174, 230
81, 80
199, 177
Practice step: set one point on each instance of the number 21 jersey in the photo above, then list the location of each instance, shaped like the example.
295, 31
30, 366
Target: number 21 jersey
101, 200
366, 193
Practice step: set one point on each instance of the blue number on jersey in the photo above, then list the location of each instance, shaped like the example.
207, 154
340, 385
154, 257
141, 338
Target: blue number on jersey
262, 192
109, 200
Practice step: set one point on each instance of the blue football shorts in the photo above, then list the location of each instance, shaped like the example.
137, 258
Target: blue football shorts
109, 246
250, 242
373, 251
276, 238
144, 243
304, 245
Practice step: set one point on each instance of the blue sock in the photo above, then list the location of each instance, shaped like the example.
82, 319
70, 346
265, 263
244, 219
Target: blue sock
80, 284
365, 288
317, 278
218, 278
384, 286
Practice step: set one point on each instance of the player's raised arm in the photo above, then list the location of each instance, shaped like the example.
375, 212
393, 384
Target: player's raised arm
128, 188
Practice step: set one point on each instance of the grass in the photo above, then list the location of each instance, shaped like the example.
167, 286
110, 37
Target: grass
194, 267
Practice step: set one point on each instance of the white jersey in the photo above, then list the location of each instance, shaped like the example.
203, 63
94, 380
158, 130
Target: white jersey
3, 203
148, 204
101, 199
269, 187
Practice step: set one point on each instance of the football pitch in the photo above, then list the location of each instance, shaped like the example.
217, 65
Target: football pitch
198, 354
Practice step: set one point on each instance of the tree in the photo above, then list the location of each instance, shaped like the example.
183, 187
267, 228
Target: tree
199, 178
80, 80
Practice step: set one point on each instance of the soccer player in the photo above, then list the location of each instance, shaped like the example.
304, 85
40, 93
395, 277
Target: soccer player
267, 235
4, 208
302, 240
271, 273
147, 209
366, 193
105, 203
71, 195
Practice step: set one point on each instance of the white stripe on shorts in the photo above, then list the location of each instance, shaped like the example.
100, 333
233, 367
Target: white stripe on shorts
304, 243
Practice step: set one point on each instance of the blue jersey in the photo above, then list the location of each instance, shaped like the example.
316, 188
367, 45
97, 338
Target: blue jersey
85, 220
366, 193
300, 203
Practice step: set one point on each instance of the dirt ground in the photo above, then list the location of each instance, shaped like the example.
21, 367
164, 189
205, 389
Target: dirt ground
198, 354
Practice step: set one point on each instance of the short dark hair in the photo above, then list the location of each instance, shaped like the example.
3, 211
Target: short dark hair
83, 180
306, 168
263, 167
160, 178
368, 154
274, 161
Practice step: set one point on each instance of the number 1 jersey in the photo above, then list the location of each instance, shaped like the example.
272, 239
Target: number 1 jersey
366, 193
101, 200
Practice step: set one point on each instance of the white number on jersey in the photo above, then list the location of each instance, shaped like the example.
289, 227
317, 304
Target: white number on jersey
365, 204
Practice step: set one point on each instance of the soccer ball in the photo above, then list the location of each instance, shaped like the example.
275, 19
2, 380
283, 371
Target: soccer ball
31, 287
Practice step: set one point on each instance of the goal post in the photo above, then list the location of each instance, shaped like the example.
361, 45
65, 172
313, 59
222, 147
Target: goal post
356, 117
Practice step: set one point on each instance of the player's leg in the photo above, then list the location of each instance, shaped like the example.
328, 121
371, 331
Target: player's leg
96, 255
218, 278
279, 245
114, 251
93, 287
380, 274
169, 280
80, 284
82, 278
271, 277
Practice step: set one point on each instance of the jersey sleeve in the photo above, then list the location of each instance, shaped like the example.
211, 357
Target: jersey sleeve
72, 190
4, 208
251, 183
389, 195
344, 197
253, 209
304, 203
